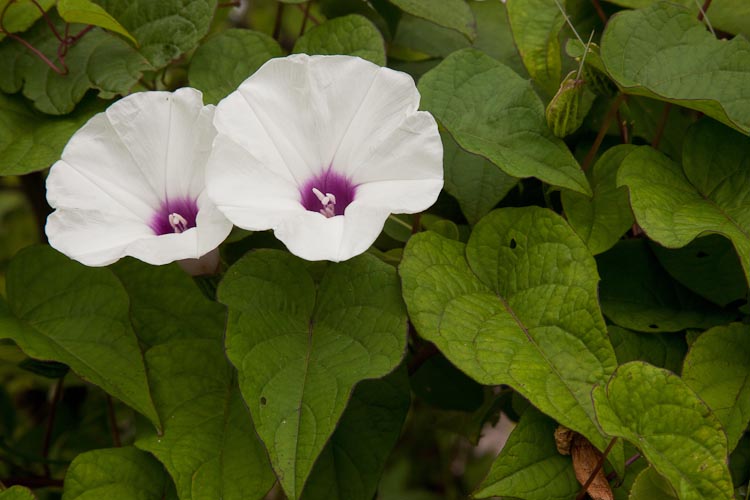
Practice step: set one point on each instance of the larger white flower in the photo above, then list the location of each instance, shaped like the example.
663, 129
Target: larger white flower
322, 149
131, 181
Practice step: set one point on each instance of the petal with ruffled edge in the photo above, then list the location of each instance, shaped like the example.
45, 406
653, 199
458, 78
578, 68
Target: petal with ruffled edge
300, 116
121, 168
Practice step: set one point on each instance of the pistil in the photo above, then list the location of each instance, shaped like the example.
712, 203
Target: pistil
328, 201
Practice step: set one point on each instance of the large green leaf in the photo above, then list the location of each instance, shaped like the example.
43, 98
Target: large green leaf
494, 36
710, 193
517, 306
637, 293
99, 60
17, 493
507, 127
730, 16
350, 466
649, 485
208, 443
665, 351
31, 141
529, 465
536, 25
60, 310
602, 220
477, 184
664, 52
87, 12
165, 29
676, 432
21, 14
708, 266
454, 14
122, 473
352, 35
300, 349
717, 369
226, 59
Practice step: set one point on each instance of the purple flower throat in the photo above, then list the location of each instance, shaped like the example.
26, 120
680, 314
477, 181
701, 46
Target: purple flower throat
174, 216
329, 193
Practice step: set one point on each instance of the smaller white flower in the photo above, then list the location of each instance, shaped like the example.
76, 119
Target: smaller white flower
131, 181
322, 149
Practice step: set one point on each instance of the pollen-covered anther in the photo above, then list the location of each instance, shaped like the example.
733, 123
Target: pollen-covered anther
328, 201
178, 222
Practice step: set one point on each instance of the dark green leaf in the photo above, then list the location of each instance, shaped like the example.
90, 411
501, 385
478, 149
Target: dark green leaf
87, 12
708, 194
60, 310
665, 351
508, 127
476, 183
602, 220
117, 473
165, 29
32, 141
350, 35
350, 465
208, 443
454, 14
517, 306
99, 60
21, 14
17, 493
708, 266
226, 59
717, 369
649, 485
529, 465
536, 25
729, 16
676, 432
441, 384
636, 293
664, 52
300, 351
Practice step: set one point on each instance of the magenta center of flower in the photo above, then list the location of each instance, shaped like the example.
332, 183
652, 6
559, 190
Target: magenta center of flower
329, 193
174, 216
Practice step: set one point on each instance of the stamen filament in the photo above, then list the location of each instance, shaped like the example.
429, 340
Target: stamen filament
178, 222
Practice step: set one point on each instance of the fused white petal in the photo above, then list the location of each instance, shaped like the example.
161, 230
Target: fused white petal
322, 149
131, 181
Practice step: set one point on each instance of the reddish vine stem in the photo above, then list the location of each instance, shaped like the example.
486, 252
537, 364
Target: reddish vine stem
33, 482
305, 16
57, 394
113, 422
599, 11
47, 20
596, 470
705, 7
628, 463
624, 137
277, 23
662, 125
415, 223
306, 11
613, 108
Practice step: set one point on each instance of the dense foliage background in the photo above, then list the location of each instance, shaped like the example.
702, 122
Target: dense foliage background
582, 280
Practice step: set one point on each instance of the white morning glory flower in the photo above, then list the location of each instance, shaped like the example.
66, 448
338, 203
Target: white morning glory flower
131, 181
322, 149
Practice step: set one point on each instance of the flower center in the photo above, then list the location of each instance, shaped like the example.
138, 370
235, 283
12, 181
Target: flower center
174, 216
329, 194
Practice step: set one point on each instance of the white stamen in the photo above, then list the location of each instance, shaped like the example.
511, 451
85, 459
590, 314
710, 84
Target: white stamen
178, 222
328, 201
